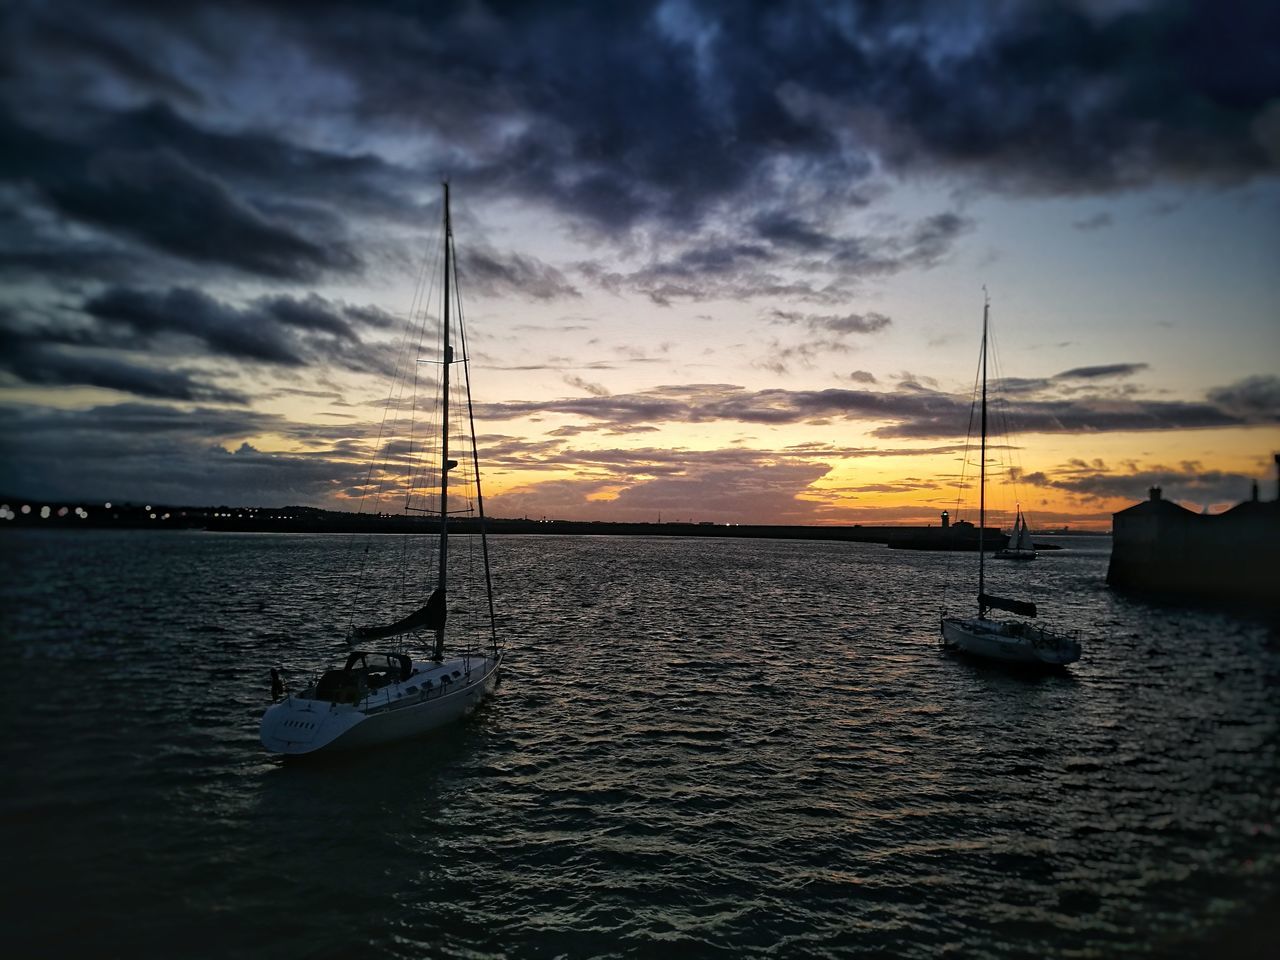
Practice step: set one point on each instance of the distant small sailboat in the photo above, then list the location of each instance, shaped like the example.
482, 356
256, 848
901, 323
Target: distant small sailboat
1020, 546
380, 693
1012, 641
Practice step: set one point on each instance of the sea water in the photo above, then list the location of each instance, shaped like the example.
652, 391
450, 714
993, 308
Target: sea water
700, 747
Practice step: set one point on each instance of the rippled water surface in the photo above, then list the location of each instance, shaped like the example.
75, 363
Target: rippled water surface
703, 747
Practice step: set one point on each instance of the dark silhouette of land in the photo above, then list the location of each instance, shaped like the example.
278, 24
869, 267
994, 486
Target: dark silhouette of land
297, 519
1159, 549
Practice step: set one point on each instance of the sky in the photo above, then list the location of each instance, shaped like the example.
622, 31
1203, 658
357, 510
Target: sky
721, 261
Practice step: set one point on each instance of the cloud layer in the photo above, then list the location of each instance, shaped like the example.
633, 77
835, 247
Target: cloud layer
746, 130
199, 203
911, 411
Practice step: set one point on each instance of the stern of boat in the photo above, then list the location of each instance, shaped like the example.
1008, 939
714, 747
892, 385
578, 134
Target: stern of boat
296, 726
1060, 652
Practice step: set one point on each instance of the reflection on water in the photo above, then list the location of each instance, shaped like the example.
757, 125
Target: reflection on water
715, 747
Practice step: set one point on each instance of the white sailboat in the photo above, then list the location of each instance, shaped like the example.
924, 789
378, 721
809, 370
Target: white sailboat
1013, 641
381, 693
1020, 546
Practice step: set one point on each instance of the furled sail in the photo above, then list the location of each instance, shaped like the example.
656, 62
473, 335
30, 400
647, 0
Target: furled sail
429, 617
1023, 607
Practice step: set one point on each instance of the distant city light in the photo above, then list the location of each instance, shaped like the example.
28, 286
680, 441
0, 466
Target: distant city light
153, 516
147, 507
107, 505
26, 508
44, 513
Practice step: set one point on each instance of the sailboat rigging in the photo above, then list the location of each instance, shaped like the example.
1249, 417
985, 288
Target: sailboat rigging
1009, 640
380, 693
1020, 546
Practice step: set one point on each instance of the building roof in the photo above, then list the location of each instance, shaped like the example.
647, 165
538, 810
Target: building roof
1156, 507
1259, 509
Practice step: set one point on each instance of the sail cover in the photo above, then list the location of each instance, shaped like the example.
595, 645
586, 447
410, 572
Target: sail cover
1024, 607
430, 617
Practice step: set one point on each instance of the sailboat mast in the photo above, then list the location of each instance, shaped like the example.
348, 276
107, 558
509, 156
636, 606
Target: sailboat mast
445, 464
982, 462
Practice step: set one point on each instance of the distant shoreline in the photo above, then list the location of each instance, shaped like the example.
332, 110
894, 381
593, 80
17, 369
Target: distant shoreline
62, 516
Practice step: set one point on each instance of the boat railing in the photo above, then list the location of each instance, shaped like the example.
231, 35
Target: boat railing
389, 696
382, 698
1044, 638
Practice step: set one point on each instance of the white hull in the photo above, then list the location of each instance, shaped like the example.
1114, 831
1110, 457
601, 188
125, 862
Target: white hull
399, 711
1009, 641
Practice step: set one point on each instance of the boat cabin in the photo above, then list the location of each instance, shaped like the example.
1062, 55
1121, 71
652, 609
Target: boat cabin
363, 673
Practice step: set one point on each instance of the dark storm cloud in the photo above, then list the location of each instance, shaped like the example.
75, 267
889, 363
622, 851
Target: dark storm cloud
314, 313
630, 125
911, 412
1088, 100
1105, 370
274, 329
788, 230
72, 41
266, 165
194, 314
244, 200
170, 205
123, 337
1021, 386
489, 272
71, 262
47, 364
163, 199
1253, 397
647, 113
744, 126
158, 452
925, 244
1050, 97
870, 322
142, 421
1070, 383
715, 267
702, 403
1187, 481
1081, 415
